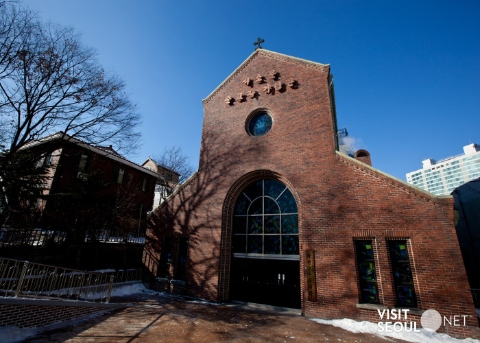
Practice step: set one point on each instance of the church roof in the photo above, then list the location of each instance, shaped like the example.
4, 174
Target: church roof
272, 55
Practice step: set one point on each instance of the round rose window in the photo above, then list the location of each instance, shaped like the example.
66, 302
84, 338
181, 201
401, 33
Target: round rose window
260, 124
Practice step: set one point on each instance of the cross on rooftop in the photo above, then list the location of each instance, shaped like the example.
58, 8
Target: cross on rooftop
258, 42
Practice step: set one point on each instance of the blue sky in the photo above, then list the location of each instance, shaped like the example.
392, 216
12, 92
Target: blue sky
407, 73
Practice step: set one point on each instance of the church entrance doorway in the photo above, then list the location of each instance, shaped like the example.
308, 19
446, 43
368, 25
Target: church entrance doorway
265, 261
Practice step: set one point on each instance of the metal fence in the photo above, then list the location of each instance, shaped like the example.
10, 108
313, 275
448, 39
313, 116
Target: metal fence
34, 280
40, 237
113, 236
127, 275
32, 237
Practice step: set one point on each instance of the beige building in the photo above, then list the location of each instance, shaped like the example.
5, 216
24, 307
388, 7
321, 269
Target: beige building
165, 184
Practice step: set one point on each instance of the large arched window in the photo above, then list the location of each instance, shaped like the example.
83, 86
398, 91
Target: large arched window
265, 221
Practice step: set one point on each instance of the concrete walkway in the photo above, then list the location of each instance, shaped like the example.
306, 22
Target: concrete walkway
165, 319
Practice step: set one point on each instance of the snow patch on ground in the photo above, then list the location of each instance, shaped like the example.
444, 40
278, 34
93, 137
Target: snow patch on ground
130, 289
139, 288
11, 334
423, 336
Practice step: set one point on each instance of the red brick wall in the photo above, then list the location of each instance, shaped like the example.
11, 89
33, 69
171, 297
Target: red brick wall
338, 198
67, 168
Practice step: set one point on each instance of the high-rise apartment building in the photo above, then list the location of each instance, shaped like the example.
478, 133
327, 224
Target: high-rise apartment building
444, 176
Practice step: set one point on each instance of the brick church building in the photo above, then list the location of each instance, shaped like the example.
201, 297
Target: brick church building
277, 215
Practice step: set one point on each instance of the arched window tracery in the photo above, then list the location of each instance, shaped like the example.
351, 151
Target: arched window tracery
265, 221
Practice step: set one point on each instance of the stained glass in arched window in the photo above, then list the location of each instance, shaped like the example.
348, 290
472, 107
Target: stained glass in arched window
265, 221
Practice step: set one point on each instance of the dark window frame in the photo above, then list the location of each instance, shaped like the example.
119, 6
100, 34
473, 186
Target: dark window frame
82, 163
175, 252
402, 273
120, 176
368, 289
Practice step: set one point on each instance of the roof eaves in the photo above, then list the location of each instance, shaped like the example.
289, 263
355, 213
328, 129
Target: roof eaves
159, 165
113, 157
401, 182
43, 140
71, 139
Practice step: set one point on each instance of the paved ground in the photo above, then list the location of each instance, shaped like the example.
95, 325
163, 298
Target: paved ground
164, 319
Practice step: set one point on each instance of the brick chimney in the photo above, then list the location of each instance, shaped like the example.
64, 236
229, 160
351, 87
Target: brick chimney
363, 156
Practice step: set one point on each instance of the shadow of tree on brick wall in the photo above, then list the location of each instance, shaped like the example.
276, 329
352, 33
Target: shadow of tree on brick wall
194, 211
382, 209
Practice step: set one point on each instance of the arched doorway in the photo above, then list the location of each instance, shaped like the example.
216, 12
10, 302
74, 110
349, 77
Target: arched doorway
265, 263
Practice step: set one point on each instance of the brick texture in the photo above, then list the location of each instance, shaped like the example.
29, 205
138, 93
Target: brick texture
339, 199
28, 316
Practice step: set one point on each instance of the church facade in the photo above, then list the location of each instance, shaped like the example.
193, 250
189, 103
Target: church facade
277, 215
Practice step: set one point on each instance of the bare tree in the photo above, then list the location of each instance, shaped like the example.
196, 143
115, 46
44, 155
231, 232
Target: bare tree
50, 82
21, 186
126, 215
174, 159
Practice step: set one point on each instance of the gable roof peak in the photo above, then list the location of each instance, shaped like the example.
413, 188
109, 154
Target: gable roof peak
269, 54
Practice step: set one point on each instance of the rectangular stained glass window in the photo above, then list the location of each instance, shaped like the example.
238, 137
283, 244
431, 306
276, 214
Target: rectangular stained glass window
402, 274
366, 272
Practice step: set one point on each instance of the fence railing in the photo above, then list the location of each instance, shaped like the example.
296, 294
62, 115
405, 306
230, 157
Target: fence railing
33, 237
476, 296
34, 280
113, 236
127, 275
122, 275
40, 237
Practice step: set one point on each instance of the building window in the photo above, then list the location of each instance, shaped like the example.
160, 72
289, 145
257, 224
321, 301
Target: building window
265, 221
402, 274
48, 160
142, 183
162, 191
120, 176
167, 256
367, 275
173, 263
45, 161
260, 124
181, 265
83, 163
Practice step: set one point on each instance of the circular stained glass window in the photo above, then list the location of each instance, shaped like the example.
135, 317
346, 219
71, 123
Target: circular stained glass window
260, 124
